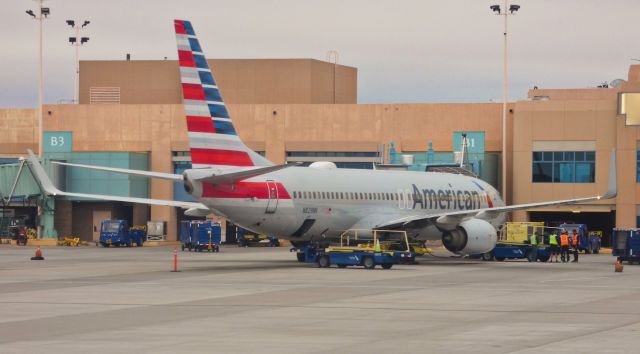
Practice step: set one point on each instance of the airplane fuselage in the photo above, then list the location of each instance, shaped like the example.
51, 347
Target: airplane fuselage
302, 203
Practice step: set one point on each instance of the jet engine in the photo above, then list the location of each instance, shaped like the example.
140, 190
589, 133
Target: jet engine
191, 185
473, 236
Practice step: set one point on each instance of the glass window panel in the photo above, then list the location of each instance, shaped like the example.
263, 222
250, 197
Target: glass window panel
548, 156
537, 156
590, 156
542, 172
569, 156
563, 172
579, 156
558, 156
585, 172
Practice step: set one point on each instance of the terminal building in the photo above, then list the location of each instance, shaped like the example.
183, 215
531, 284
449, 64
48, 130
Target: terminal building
301, 110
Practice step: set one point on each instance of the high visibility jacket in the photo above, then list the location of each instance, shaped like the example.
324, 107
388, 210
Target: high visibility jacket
533, 240
564, 240
574, 240
553, 239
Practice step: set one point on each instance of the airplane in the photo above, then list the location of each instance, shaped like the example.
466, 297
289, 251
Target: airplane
320, 201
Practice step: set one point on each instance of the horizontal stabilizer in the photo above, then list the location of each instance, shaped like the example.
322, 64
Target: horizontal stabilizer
49, 189
161, 175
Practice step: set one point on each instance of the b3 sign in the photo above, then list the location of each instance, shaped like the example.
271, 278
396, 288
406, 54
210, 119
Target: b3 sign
57, 142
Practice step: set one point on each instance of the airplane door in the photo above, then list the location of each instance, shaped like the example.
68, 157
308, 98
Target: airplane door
272, 202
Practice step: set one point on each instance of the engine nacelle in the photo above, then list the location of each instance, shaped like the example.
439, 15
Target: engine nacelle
192, 186
473, 236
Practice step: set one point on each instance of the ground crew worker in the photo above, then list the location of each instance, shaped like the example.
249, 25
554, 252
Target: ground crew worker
564, 246
533, 253
554, 249
574, 244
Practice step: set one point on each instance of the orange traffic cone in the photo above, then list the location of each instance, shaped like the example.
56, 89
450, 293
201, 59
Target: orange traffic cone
38, 256
619, 267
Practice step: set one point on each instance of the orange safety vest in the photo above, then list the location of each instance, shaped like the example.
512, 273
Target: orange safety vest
574, 240
564, 240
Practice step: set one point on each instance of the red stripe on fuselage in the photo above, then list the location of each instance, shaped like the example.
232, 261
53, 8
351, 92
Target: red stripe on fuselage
200, 124
220, 157
243, 190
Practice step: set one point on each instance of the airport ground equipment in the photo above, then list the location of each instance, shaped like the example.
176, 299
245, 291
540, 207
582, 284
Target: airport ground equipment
69, 241
584, 242
626, 245
358, 251
117, 233
185, 234
595, 240
205, 236
514, 242
248, 238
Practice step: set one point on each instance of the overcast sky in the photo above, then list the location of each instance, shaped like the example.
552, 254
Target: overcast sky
405, 50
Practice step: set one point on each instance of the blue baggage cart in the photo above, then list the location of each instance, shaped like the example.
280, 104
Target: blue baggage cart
185, 234
625, 244
205, 236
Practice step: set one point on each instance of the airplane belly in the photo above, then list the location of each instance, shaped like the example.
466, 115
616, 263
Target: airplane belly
258, 215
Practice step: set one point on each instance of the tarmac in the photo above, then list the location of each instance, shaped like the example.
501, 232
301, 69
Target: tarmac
261, 300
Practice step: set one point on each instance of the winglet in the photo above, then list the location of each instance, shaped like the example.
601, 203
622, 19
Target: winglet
612, 186
41, 176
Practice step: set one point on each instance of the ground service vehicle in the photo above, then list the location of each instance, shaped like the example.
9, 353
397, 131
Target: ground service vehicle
355, 251
514, 242
248, 238
117, 233
625, 245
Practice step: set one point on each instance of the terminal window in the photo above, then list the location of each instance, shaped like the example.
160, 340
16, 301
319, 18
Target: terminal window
564, 167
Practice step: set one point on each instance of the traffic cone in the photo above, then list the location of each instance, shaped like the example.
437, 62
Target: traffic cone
619, 267
38, 256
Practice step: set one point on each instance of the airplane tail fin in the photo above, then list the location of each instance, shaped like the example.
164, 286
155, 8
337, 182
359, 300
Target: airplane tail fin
212, 138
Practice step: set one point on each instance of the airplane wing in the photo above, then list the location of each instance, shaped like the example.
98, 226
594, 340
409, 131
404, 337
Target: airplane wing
214, 176
169, 176
48, 188
455, 217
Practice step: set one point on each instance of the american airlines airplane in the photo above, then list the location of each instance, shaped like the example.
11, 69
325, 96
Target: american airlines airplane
320, 201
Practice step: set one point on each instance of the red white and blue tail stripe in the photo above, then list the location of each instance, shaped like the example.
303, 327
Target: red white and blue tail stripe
212, 138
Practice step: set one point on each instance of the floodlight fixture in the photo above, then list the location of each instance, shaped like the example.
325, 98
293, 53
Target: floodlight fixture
514, 8
71, 23
84, 40
72, 40
495, 8
44, 11
86, 23
30, 13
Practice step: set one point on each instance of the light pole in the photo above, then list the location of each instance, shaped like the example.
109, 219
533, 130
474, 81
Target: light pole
77, 41
43, 14
512, 9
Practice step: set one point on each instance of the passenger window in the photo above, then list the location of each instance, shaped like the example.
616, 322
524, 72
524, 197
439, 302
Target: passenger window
313, 195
